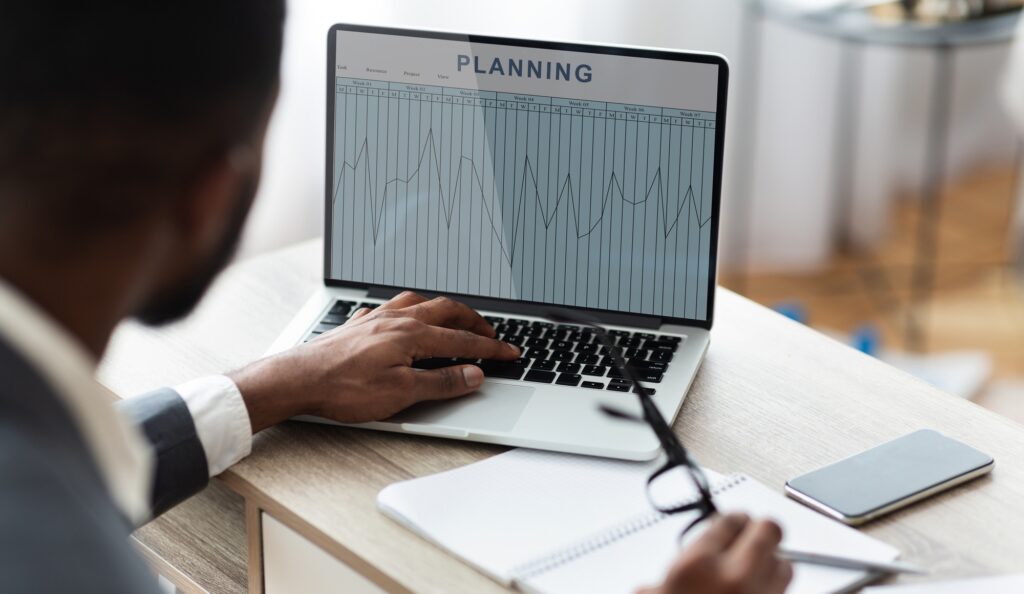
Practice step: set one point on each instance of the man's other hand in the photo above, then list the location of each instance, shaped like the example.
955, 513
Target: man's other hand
362, 371
733, 556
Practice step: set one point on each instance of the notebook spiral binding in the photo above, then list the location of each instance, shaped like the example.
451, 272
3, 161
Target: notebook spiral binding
636, 524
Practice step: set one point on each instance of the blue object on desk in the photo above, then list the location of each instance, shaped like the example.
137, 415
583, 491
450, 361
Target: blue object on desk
867, 340
793, 310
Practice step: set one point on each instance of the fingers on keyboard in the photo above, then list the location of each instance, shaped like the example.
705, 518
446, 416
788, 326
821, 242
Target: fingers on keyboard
559, 354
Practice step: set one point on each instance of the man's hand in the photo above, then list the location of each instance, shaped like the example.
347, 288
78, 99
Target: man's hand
733, 556
362, 371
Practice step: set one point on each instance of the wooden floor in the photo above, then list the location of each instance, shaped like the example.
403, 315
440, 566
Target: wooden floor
978, 296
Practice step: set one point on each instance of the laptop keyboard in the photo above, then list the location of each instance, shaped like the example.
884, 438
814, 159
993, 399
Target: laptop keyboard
560, 354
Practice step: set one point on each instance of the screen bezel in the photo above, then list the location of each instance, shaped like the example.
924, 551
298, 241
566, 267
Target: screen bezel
522, 305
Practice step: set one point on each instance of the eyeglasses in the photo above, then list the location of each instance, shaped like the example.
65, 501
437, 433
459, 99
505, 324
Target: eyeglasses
680, 470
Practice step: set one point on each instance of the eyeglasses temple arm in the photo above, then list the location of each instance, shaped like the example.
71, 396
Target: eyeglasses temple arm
621, 414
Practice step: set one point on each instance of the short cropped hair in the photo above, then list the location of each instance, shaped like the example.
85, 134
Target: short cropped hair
107, 105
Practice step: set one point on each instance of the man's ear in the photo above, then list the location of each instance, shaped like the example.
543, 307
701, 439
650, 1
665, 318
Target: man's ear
212, 201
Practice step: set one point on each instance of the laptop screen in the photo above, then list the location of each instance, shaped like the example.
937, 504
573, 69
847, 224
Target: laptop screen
579, 176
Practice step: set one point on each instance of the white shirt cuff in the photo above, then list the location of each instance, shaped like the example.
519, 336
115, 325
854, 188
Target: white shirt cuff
221, 419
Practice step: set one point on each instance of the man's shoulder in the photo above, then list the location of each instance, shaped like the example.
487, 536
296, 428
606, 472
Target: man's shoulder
59, 529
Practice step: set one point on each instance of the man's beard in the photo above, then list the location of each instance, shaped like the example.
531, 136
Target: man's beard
179, 301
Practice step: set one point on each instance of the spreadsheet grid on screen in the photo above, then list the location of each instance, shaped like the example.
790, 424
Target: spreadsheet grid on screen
446, 177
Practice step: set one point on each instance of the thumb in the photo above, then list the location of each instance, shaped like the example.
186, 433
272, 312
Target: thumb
447, 382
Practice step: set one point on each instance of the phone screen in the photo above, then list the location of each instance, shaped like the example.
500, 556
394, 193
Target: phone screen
898, 469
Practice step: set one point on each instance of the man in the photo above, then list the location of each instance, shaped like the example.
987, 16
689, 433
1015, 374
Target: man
131, 136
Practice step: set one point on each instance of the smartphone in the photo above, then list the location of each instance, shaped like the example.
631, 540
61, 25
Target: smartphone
889, 477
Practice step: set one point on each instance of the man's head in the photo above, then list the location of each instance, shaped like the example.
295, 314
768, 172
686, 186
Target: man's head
138, 122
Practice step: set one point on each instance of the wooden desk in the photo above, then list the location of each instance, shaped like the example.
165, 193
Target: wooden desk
773, 399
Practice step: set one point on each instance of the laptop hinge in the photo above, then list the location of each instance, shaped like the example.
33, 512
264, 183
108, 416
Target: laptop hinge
529, 309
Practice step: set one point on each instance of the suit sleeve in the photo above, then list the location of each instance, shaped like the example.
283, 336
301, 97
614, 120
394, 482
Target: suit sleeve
180, 469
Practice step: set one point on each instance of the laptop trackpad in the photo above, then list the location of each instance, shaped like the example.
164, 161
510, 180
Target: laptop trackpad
494, 407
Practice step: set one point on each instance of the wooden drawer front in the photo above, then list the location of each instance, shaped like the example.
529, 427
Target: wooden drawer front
293, 564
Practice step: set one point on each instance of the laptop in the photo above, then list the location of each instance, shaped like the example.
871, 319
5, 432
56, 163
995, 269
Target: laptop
519, 175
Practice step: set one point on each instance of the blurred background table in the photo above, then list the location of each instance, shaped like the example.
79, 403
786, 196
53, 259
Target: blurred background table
856, 28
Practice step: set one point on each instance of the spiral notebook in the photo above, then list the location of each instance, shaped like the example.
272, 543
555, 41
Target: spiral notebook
557, 524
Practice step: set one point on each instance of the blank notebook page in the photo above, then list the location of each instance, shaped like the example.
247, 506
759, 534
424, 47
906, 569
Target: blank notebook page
514, 508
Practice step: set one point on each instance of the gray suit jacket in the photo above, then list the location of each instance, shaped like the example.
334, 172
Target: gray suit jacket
60, 531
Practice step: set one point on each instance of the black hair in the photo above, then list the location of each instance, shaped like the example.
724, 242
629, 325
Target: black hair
106, 105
